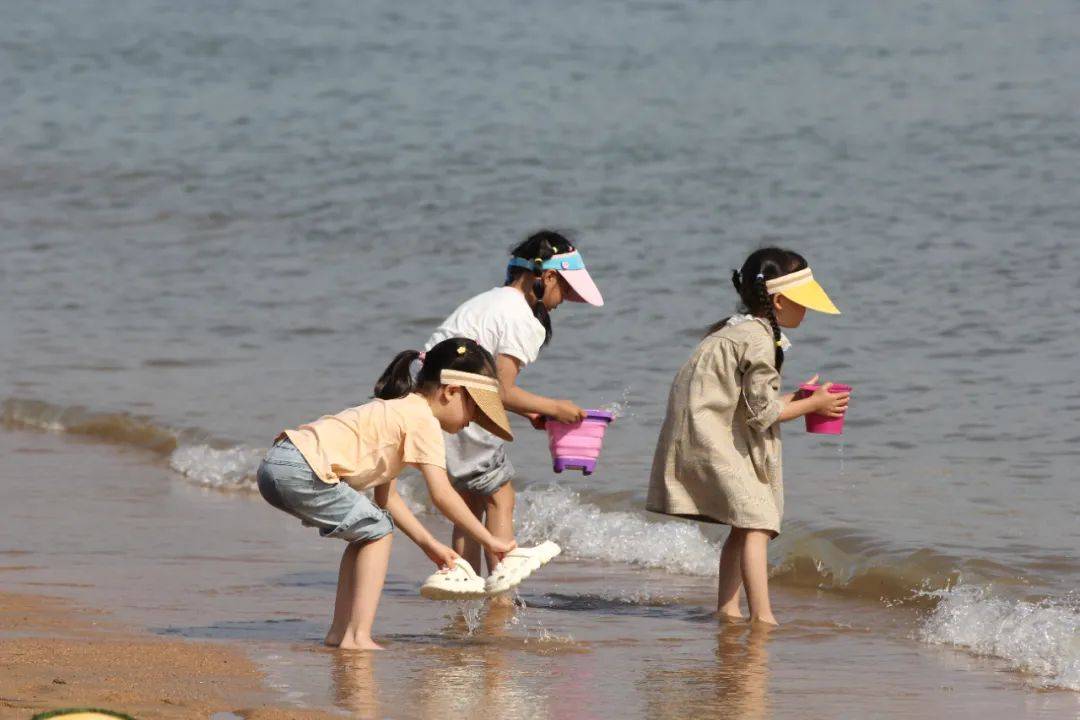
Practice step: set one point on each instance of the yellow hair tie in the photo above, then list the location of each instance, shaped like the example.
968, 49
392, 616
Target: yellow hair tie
461, 350
780, 344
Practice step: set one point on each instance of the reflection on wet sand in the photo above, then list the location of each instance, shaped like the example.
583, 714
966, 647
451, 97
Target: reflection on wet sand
479, 678
355, 689
478, 670
736, 684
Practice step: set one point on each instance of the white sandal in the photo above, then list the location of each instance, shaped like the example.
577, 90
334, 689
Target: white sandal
459, 583
519, 564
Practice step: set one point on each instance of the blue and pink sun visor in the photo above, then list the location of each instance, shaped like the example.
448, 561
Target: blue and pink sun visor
572, 268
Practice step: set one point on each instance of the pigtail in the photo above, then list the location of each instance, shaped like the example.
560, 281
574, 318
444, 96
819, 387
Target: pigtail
766, 304
540, 311
396, 380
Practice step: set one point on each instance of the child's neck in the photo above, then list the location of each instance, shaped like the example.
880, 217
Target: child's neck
519, 285
436, 407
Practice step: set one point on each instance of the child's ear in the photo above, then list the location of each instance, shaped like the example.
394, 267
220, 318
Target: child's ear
778, 302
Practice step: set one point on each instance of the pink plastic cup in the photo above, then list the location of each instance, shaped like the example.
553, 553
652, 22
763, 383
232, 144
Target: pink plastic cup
577, 446
822, 424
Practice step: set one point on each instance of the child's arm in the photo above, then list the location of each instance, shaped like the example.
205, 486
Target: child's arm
822, 402
387, 496
525, 403
450, 504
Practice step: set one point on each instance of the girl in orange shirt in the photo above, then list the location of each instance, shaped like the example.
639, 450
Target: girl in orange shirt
318, 471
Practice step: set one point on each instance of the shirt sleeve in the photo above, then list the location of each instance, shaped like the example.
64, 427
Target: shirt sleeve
424, 445
520, 337
761, 384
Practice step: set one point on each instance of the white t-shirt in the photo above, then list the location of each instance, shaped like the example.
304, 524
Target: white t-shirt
500, 320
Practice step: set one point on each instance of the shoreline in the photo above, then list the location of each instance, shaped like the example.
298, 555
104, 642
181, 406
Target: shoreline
220, 576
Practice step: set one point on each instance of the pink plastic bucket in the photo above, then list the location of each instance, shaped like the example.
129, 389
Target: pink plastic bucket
821, 424
577, 446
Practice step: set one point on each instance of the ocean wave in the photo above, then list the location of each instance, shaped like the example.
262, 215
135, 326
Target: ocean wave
835, 560
116, 427
190, 452
228, 468
585, 531
1041, 638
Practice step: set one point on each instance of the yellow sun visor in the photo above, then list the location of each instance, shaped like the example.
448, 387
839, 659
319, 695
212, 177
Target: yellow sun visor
801, 287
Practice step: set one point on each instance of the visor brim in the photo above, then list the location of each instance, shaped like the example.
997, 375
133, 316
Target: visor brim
582, 287
812, 296
490, 413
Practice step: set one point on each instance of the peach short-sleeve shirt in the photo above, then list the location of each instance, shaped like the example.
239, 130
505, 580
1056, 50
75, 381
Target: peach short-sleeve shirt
368, 445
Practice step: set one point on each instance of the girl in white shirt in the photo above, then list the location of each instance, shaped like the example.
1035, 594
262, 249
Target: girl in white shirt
513, 323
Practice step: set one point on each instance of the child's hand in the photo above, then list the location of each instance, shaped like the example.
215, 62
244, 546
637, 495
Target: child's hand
567, 412
538, 421
830, 404
441, 555
499, 548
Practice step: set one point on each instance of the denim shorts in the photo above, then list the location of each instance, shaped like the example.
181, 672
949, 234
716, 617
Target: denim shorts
287, 482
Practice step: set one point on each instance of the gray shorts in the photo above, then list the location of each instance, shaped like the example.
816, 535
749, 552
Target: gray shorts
288, 483
476, 461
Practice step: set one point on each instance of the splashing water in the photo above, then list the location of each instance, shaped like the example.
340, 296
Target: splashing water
621, 407
531, 625
469, 611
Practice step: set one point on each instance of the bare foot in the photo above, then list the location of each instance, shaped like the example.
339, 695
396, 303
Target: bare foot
767, 620
356, 643
333, 638
726, 616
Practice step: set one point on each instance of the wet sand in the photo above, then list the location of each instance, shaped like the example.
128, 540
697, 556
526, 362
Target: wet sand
57, 654
114, 529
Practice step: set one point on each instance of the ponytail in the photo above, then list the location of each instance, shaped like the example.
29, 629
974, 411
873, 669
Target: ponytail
540, 311
396, 380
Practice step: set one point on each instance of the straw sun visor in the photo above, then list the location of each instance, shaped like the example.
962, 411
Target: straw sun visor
484, 391
801, 287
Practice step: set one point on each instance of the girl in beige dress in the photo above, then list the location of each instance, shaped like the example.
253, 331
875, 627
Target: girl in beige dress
718, 456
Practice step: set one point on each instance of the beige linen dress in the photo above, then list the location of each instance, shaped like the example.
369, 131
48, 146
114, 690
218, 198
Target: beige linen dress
718, 456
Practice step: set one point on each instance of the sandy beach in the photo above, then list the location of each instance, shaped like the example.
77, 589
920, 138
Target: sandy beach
57, 654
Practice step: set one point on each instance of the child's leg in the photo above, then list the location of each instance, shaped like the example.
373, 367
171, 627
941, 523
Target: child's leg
727, 597
369, 574
462, 544
500, 523
343, 601
755, 575
500, 517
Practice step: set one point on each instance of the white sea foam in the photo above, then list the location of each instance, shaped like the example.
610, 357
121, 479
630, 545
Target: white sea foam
1039, 638
585, 531
229, 468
